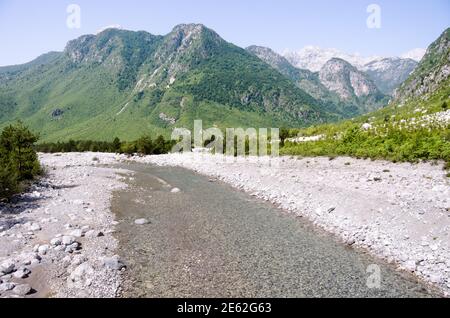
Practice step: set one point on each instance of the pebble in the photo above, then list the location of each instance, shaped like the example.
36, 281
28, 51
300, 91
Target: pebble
67, 240
22, 273
77, 233
94, 234
7, 267
113, 262
35, 227
57, 241
43, 249
6, 287
141, 222
22, 290
175, 190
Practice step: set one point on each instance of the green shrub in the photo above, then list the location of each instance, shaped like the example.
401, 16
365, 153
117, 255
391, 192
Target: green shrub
18, 159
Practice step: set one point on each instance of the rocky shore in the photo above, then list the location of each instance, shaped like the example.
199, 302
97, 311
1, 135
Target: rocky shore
57, 240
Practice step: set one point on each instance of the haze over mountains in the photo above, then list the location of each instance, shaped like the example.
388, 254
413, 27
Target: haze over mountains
124, 83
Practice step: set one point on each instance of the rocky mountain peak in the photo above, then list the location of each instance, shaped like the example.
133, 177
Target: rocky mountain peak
346, 80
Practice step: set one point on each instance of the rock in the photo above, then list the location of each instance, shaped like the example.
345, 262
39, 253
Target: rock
366, 126
113, 262
77, 233
6, 287
436, 278
94, 234
81, 277
30, 259
57, 241
22, 290
141, 222
78, 260
175, 190
22, 273
7, 267
72, 248
43, 249
67, 240
331, 209
410, 265
35, 227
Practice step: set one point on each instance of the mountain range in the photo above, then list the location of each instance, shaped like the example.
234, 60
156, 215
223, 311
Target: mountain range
120, 83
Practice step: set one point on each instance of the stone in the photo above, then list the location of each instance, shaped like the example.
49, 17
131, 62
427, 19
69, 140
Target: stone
78, 260
77, 233
43, 249
57, 241
94, 234
22, 290
30, 259
67, 240
6, 287
113, 263
410, 265
141, 222
22, 273
175, 190
72, 248
81, 276
7, 267
35, 227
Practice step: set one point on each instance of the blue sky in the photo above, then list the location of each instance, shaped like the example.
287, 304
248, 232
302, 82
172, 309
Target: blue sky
30, 28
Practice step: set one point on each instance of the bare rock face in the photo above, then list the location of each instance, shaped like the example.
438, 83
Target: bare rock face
352, 86
430, 74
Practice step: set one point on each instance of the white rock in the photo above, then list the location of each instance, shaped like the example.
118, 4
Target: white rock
113, 262
43, 249
7, 287
410, 265
77, 233
35, 227
57, 241
141, 222
22, 290
94, 234
175, 190
22, 273
7, 267
81, 277
68, 240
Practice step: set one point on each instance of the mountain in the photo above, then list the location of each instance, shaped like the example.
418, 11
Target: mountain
304, 79
352, 85
431, 74
313, 58
334, 88
389, 73
414, 54
415, 126
125, 84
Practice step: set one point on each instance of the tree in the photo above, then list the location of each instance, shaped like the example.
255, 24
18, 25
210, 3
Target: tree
18, 154
116, 144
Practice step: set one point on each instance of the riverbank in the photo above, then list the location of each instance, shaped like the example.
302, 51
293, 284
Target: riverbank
58, 240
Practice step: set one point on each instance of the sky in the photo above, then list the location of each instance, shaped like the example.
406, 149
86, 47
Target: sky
31, 28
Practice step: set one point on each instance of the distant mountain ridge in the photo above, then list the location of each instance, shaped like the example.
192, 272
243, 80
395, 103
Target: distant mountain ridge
339, 84
126, 84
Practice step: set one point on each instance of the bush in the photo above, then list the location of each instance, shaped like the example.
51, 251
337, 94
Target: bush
18, 159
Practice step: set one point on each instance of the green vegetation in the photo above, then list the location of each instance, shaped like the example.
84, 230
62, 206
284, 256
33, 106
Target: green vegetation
400, 132
144, 145
18, 159
122, 83
392, 144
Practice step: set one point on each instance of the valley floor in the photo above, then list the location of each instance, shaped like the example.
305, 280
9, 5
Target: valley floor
399, 212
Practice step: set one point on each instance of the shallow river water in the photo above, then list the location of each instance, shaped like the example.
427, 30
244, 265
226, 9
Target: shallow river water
210, 240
